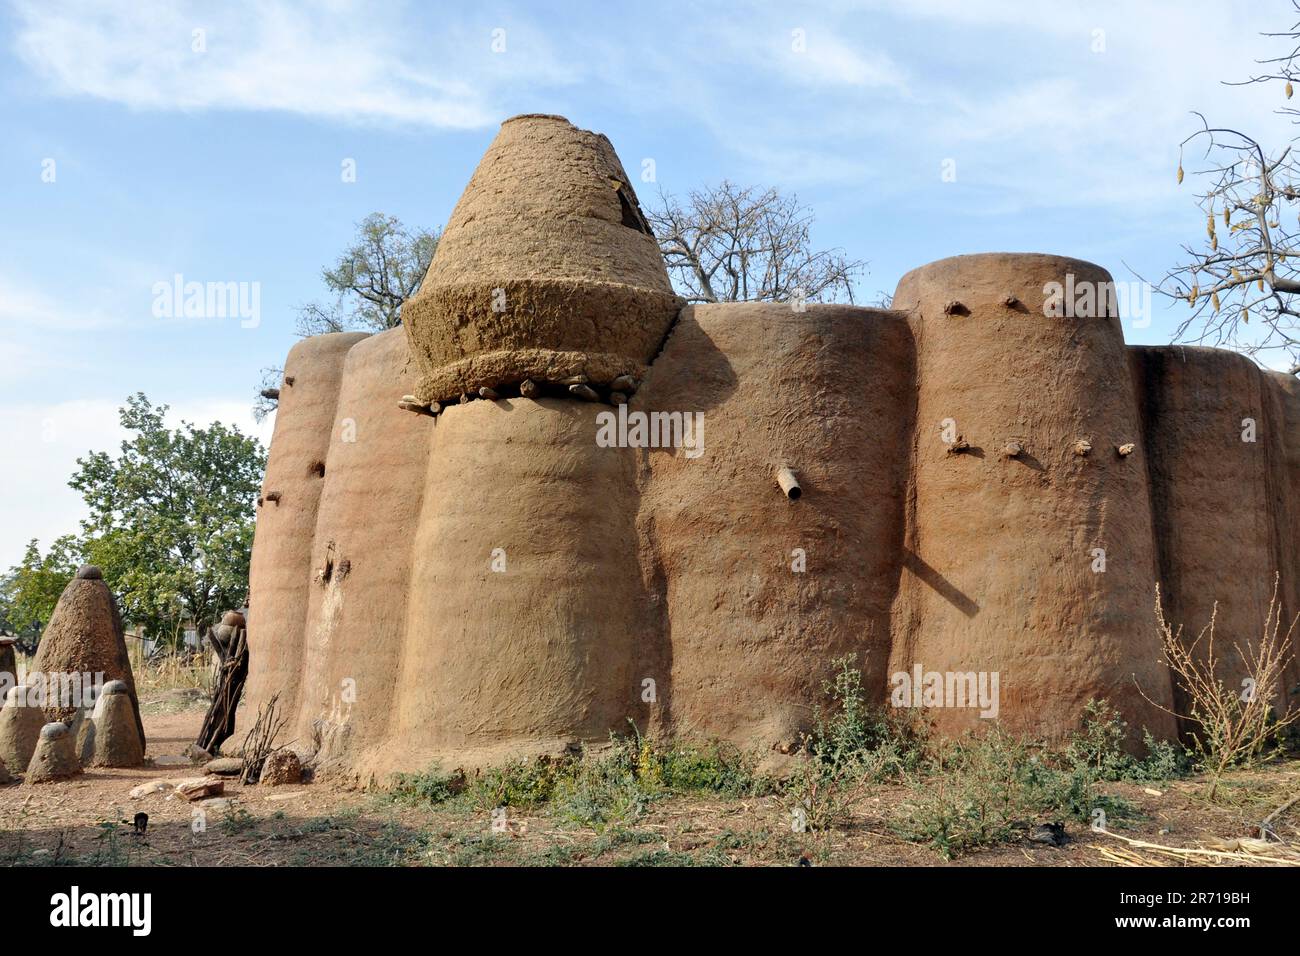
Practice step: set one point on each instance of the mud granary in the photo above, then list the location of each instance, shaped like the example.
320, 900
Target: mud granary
473, 576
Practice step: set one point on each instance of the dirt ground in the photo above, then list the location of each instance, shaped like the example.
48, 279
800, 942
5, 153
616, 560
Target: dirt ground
88, 821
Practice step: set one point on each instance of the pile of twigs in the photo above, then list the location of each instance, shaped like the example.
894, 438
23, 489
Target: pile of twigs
261, 740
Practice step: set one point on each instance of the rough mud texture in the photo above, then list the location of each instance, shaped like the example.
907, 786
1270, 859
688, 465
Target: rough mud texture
56, 756
20, 728
492, 582
361, 555
547, 251
512, 366
1225, 505
520, 628
1284, 457
286, 515
280, 768
117, 743
85, 637
743, 638
999, 559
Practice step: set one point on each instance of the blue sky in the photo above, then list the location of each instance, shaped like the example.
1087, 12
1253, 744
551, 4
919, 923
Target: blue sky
223, 164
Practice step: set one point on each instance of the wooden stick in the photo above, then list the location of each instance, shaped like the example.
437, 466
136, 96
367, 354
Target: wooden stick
1268, 820
1187, 851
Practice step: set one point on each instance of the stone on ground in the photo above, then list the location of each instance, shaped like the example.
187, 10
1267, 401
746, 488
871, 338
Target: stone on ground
280, 768
200, 788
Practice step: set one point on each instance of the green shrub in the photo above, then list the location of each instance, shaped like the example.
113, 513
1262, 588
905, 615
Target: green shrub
619, 784
853, 743
430, 786
711, 768
613, 784
521, 785
857, 737
1099, 747
990, 788
598, 791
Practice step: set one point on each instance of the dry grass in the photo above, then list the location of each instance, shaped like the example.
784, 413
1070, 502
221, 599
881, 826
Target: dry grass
169, 671
1233, 726
158, 675
1239, 851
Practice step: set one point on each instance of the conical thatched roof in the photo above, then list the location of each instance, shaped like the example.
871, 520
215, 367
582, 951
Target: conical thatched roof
85, 636
546, 269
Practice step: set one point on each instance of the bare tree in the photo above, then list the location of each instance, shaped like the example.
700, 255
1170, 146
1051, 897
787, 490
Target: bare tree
372, 278
732, 243
1233, 721
1245, 271
268, 393
371, 281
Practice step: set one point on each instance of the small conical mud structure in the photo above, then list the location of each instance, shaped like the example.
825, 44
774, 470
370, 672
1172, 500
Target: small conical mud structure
547, 270
84, 638
55, 757
20, 728
116, 740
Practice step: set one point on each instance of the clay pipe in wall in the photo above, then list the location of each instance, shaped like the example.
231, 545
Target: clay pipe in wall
788, 482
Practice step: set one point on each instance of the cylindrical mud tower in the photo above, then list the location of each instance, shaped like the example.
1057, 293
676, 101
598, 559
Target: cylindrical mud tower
761, 592
1038, 568
1285, 442
525, 605
1216, 437
280, 576
362, 552
525, 600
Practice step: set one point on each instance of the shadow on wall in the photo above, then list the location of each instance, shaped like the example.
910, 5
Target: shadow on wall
939, 583
714, 379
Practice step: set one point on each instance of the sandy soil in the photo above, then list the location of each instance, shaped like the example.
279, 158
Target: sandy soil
89, 821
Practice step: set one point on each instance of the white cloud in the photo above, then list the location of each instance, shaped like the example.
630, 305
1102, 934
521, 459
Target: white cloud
38, 333
824, 59
341, 61
797, 162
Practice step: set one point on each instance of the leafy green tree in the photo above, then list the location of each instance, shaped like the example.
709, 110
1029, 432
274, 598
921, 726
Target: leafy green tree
7, 625
30, 590
171, 518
